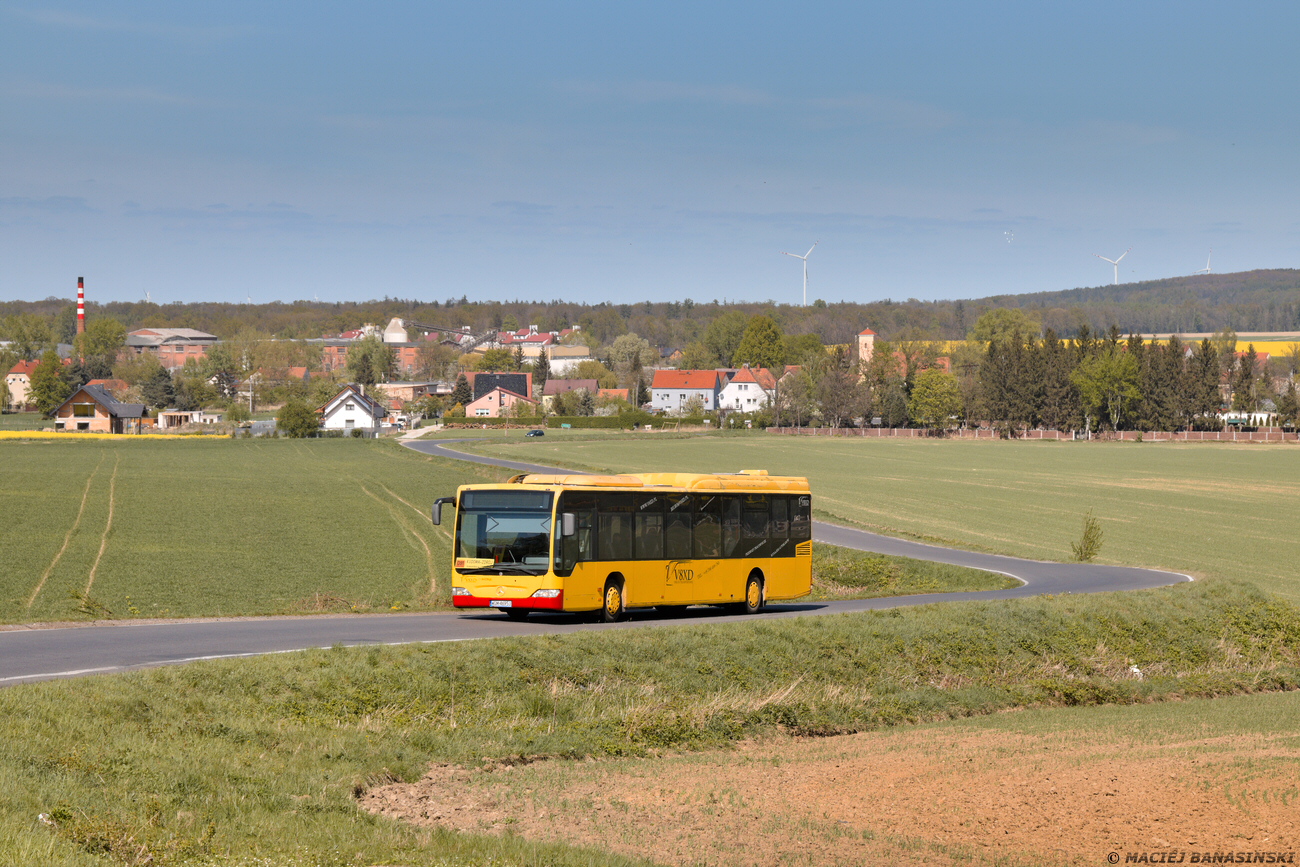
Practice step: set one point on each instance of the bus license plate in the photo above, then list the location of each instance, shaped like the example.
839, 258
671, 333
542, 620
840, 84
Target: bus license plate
501, 603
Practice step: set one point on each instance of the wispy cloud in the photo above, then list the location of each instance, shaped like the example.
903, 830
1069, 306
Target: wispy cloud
848, 108
647, 92
47, 205
88, 23
64, 93
886, 111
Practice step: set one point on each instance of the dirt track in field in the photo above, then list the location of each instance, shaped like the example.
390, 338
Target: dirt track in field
933, 796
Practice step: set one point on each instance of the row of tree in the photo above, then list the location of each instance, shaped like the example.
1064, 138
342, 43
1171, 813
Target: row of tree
1015, 382
1250, 301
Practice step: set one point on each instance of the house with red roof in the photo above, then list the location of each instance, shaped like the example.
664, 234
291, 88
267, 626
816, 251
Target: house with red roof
19, 380
749, 390
672, 390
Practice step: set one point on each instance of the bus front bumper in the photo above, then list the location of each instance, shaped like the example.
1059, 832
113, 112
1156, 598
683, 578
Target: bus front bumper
461, 598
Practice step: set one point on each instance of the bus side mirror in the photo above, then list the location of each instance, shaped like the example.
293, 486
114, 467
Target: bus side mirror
568, 524
437, 508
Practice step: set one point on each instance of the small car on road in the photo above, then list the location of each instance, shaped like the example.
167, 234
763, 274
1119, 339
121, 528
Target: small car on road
536, 432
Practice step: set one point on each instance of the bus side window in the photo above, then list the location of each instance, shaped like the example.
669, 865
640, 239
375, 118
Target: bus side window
801, 518
731, 527
677, 527
708, 526
754, 522
780, 517
615, 526
648, 524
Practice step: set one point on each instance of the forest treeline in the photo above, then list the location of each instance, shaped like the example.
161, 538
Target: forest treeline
1266, 300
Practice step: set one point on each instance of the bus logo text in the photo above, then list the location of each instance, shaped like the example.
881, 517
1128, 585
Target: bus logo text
677, 573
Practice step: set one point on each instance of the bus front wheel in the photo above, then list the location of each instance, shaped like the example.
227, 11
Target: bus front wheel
612, 611
753, 595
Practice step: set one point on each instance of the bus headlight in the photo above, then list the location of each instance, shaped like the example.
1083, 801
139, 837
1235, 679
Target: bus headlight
459, 591
546, 594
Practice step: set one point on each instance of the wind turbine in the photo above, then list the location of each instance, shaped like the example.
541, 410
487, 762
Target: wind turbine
1206, 269
1114, 262
805, 268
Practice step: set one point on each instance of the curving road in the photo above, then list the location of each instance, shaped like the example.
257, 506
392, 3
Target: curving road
49, 652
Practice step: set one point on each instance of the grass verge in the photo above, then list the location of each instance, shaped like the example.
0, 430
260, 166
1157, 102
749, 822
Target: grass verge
259, 761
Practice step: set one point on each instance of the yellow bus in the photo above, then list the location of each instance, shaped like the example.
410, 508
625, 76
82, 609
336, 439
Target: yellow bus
610, 543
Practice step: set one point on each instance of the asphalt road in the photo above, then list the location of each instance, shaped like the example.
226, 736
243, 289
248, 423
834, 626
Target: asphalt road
46, 653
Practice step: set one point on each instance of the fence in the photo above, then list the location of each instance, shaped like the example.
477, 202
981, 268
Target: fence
1270, 435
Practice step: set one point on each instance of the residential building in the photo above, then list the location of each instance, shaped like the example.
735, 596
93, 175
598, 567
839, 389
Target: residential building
93, 409
352, 409
498, 402
19, 380
482, 382
555, 387
749, 390
672, 390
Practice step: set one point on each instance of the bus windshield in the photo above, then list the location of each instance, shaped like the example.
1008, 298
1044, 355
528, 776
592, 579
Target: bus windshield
500, 532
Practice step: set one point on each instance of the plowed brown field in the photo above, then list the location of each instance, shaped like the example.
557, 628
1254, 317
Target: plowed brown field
935, 795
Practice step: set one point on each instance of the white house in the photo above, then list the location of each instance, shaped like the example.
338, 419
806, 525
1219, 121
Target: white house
749, 390
351, 409
672, 390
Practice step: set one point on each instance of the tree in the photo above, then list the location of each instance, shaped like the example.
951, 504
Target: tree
29, 335
842, 397
370, 360
220, 367
499, 359
1009, 383
761, 345
592, 369
462, 394
298, 420
99, 346
541, 370
48, 387
1108, 383
723, 336
1200, 385
936, 400
629, 355
697, 356
157, 390
1288, 406
801, 348
1003, 323
1060, 408
1245, 381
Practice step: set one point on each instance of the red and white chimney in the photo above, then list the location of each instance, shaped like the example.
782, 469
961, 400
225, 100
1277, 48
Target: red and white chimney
81, 305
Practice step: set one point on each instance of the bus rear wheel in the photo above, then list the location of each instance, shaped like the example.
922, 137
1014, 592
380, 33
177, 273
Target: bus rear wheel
612, 611
753, 595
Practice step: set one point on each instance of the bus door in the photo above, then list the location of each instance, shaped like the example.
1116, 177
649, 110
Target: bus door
584, 582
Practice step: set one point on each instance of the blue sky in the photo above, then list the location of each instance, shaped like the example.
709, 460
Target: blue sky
631, 151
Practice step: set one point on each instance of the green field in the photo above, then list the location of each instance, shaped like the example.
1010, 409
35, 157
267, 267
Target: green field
24, 421
219, 526
256, 763
214, 526
1205, 510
